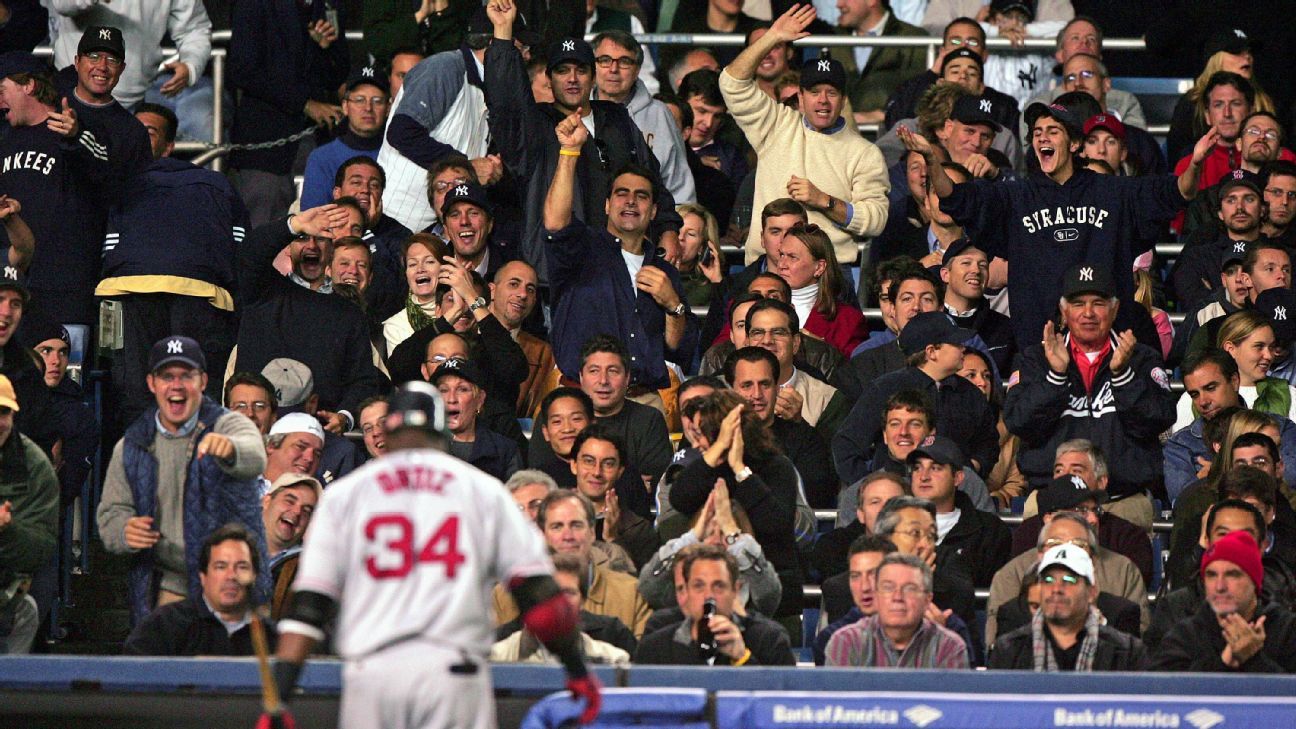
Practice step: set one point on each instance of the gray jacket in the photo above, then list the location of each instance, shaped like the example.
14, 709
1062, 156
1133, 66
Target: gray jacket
760, 590
657, 123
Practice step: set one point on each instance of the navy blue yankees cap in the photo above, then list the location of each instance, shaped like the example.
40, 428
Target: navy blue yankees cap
177, 350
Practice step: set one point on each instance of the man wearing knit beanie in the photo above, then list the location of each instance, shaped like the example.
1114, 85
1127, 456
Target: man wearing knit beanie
1232, 631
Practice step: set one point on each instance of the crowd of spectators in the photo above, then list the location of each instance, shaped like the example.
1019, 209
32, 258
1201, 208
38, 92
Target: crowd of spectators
537, 225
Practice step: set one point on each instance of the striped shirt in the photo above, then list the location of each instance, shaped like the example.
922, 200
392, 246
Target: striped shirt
865, 645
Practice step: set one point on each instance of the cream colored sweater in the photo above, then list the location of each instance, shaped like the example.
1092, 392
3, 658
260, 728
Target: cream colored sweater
842, 164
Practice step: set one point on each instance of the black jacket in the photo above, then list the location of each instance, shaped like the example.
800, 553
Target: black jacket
1117, 651
980, 538
1196, 273
962, 414
282, 319
1195, 644
494, 454
871, 364
769, 498
807, 450
1123, 415
995, 330
766, 639
188, 628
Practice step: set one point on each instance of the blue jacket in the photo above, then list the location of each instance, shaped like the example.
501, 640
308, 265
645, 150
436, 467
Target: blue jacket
323, 163
178, 229
1186, 446
494, 453
212, 499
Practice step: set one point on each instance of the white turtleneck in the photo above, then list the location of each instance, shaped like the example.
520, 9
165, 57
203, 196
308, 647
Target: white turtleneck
803, 300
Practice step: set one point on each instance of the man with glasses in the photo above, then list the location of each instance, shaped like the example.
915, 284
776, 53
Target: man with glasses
186, 467
292, 390
1115, 573
1257, 148
1279, 202
1068, 634
621, 73
529, 487
899, 635
772, 325
88, 87
365, 102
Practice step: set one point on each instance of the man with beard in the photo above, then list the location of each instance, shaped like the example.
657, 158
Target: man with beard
1068, 634
1101, 219
964, 270
1196, 273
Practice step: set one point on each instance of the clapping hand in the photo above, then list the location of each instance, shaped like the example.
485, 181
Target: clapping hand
1055, 350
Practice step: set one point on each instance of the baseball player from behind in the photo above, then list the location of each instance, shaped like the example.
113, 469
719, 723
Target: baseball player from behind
404, 553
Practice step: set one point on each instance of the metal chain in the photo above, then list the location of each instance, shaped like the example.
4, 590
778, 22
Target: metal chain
261, 145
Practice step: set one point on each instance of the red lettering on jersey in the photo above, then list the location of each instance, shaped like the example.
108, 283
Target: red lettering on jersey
442, 547
418, 478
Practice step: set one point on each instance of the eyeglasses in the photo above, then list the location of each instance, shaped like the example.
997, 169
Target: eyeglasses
1095, 510
1054, 579
443, 185
530, 506
625, 63
95, 57
1258, 462
1270, 134
1086, 75
908, 591
969, 42
918, 535
258, 406
1279, 192
375, 101
1055, 542
440, 359
775, 333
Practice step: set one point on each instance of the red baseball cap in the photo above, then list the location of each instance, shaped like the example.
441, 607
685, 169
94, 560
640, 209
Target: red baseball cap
1105, 121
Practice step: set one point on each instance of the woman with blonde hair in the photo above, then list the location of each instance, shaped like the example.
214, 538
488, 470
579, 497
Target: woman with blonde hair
809, 265
1188, 123
701, 266
1248, 337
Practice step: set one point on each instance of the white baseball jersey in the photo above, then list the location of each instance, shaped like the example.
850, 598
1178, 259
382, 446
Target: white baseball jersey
410, 545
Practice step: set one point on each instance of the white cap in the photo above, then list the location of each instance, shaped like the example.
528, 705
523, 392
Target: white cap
1070, 556
298, 423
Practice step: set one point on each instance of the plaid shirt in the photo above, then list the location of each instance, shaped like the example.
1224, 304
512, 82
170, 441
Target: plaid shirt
865, 645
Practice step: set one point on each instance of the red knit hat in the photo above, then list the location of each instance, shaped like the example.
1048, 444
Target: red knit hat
1239, 548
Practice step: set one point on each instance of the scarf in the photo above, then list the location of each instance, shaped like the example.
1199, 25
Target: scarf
418, 316
1088, 370
1273, 396
1043, 649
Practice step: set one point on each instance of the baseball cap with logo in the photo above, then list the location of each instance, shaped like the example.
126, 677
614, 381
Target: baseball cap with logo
823, 71
1229, 40
1067, 492
1004, 6
368, 76
15, 62
1064, 116
1240, 178
463, 368
958, 53
1086, 278
940, 449
1232, 251
298, 423
293, 383
8, 398
466, 192
975, 110
569, 50
957, 248
37, 328
11, 279
1071, 557
288, 480
931, 327
1279, 304
102, 38
177, 350
1105, 121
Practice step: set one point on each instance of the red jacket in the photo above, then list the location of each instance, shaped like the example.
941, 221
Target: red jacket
1221, 161
845, 332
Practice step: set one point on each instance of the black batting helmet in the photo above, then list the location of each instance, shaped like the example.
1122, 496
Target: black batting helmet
416, 405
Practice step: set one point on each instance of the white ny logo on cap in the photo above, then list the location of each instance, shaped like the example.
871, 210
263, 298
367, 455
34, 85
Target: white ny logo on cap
825, 65
461, 190
367, 71
985, 105
105, 33
1079, 483
1086, 274
1239, 247
1280, 313
11, 272
1239, 33
569, 45
175, 346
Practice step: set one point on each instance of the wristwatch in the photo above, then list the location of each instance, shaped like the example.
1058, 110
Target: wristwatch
743, 475
479, 303
677, 311
731, 539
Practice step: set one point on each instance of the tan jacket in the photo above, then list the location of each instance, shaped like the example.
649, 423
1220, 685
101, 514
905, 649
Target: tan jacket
510, 650
540, 361
611, 593
815, 396
1114, 573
